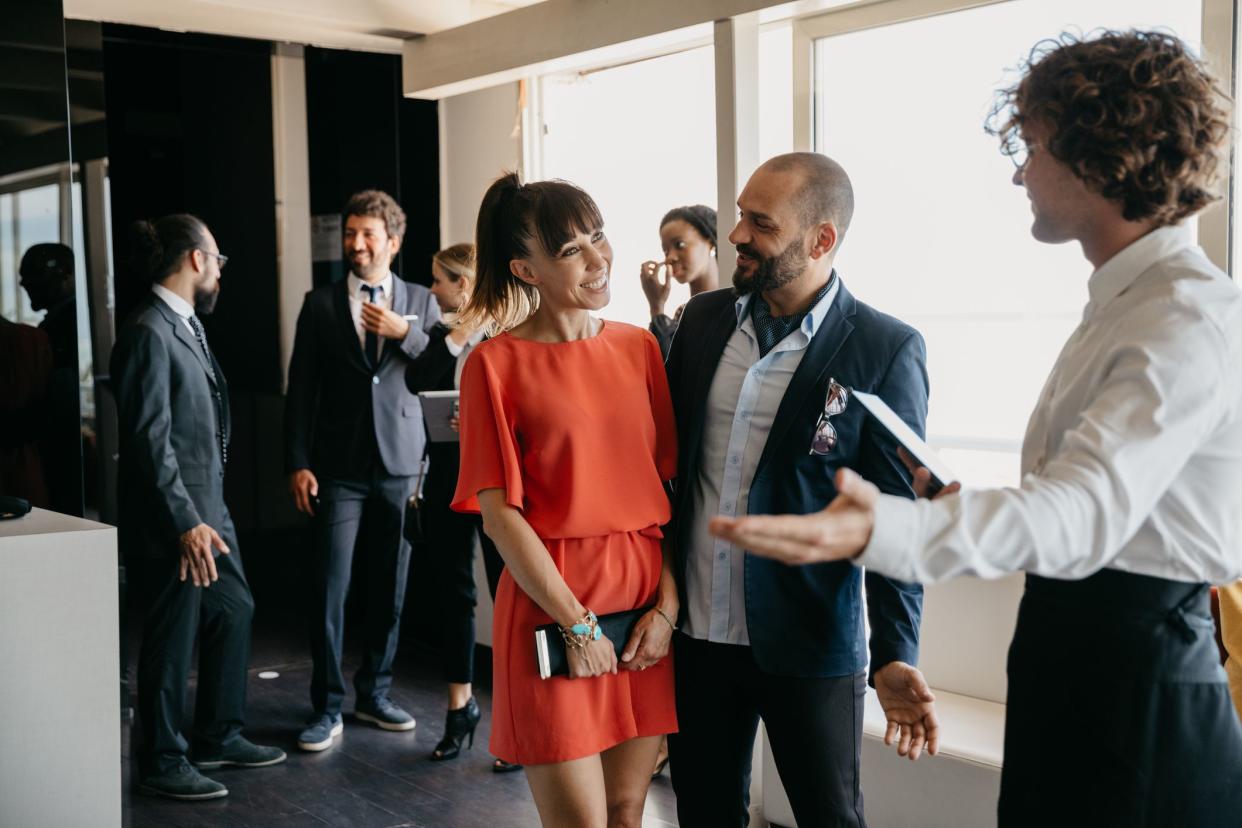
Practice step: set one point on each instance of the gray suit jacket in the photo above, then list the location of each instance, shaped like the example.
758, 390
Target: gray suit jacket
171, 474
339, 408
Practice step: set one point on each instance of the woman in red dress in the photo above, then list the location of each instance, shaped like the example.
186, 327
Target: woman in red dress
567, 437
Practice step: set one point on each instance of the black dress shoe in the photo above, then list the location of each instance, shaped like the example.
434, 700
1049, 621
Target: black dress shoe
459, 726
182, 782
241, 753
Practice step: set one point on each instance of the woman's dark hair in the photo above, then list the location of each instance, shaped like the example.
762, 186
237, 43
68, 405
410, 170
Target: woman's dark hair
699, 216
156, 248
1134, 114
511, 217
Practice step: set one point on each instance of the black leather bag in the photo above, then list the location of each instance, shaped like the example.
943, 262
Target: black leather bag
416, 508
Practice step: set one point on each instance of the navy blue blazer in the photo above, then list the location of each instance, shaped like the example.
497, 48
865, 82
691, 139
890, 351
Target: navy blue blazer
807, 621
339, 406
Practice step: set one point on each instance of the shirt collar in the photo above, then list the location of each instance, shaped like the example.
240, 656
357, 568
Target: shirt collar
1112, 278
814, 317
179, 306
355, 286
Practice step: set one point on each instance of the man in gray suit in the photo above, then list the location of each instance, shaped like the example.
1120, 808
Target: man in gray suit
354, 442
173, 411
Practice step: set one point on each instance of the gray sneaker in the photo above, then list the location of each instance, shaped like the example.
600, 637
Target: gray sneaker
241, 753
319, 732
383, 713
182, 782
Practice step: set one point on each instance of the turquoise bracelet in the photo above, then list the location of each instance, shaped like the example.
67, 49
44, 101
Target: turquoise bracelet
584, 631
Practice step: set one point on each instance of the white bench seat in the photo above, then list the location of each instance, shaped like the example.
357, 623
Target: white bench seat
966, 629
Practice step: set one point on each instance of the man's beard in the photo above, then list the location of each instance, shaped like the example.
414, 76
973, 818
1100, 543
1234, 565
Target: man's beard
205, 297
362, 271
770, 272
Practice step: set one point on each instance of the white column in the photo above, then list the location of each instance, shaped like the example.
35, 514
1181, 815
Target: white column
292, 173
737, 123
1221, 27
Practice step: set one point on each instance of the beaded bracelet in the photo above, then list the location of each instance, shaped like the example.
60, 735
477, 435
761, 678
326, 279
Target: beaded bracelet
583, 632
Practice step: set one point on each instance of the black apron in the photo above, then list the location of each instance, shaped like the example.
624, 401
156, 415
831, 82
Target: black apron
1119, 712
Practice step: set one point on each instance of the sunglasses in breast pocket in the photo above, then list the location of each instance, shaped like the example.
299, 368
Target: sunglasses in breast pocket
825, 438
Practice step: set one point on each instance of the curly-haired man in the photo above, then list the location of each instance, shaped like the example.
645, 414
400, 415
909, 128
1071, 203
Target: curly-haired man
1118, 711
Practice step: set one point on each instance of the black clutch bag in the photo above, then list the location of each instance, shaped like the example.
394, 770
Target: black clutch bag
550, 647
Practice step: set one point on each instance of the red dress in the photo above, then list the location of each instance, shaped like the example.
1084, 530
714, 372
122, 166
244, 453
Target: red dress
580, 436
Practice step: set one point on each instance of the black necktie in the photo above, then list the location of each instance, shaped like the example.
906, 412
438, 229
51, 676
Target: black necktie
201, 336
371, 340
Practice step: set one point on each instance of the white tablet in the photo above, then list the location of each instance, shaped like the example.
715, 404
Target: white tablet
438, 408
942, 475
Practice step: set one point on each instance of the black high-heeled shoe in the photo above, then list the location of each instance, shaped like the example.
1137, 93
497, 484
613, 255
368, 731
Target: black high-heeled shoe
459, 727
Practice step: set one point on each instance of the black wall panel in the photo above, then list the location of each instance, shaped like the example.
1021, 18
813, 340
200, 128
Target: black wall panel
363, 135
190, 130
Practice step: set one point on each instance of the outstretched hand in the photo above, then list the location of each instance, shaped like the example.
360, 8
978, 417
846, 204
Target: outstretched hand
909, 706
838, 532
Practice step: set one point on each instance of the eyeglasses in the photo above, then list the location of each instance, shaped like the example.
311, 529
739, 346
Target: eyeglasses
825, 438
220, 257
1021, 153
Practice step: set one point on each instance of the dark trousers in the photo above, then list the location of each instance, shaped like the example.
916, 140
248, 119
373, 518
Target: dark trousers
1118, 710
813, 724
175, 612
374, 508
450, 549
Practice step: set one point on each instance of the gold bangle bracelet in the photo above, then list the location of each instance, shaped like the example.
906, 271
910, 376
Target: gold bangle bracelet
664, 615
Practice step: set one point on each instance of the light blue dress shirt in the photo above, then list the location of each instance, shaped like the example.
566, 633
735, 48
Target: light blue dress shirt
741, 405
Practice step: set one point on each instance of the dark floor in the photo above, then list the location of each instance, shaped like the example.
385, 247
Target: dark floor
372, 777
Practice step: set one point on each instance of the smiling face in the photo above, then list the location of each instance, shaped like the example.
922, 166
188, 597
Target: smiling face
1061, 202
687, 254
368, 247
772, 245
576, 276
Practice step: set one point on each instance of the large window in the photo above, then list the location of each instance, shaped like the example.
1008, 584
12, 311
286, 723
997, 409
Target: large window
641, 139
941, 235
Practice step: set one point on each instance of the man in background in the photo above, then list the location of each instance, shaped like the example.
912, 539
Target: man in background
174, 527
354, 441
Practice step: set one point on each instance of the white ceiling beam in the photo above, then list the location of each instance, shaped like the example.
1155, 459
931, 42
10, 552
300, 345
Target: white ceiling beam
547, 36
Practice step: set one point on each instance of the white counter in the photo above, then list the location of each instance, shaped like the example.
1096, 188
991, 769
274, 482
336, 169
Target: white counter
60, 733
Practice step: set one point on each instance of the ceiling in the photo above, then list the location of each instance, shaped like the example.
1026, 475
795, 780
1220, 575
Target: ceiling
370, 25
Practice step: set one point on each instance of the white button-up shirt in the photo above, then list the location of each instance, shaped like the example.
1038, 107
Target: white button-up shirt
741, 405
462, 352
1133, 456
357, 297
178, 305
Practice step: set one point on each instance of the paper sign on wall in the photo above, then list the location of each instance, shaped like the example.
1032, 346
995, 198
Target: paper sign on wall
326, 238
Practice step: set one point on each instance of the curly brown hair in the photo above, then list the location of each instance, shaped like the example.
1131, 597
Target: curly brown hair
377, 204
1134, 114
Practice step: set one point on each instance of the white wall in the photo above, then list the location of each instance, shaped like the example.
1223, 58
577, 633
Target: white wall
477, 143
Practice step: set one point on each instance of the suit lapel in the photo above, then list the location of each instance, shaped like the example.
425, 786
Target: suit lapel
722, 327
816, 362
345, 320
183, 334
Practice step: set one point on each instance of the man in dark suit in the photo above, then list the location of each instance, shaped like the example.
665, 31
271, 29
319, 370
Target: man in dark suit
354, 442
173, 414
760, 377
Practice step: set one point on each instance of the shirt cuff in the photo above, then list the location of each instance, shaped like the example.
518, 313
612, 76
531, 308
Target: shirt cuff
891, 550
453, 348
